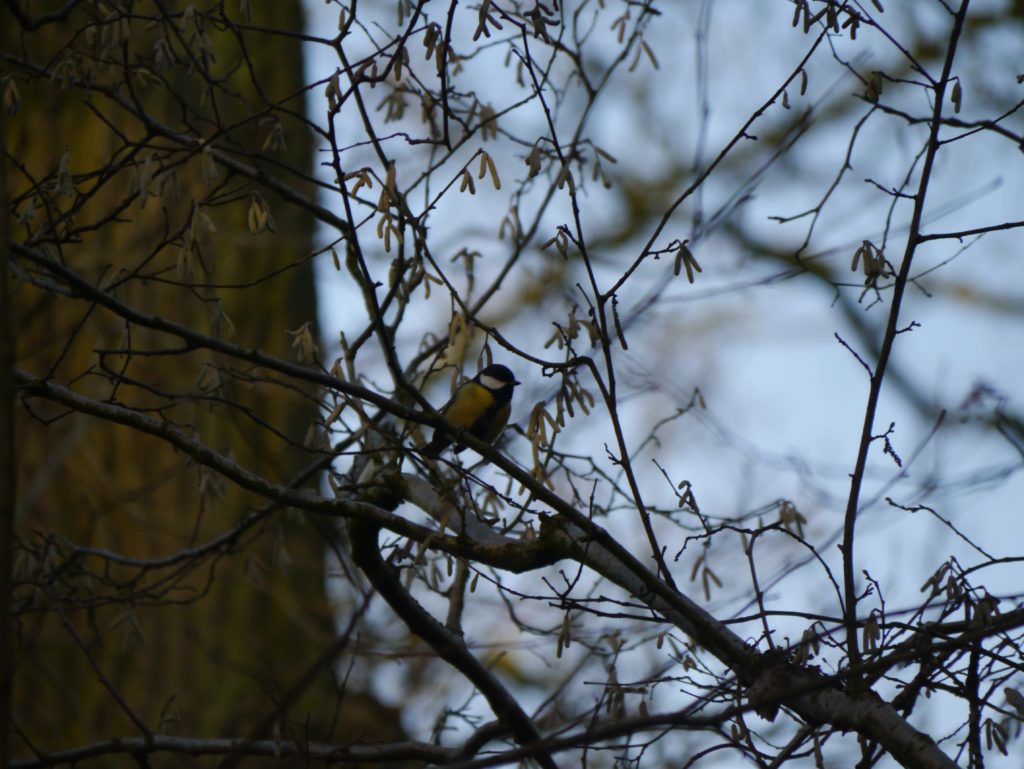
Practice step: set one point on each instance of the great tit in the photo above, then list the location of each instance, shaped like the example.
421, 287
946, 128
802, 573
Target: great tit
480, 407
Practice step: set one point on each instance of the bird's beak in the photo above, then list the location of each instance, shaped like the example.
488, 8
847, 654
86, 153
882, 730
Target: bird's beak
514, 384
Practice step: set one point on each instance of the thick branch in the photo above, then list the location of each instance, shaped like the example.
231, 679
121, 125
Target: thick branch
504, 553
312, 751
446, 644
809, 693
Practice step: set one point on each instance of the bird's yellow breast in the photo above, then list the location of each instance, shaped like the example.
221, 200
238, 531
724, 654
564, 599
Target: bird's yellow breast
471, 403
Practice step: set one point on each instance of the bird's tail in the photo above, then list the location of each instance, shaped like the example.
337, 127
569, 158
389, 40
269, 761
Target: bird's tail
438, 443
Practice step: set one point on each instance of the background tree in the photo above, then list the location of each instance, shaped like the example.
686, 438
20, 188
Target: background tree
684, 548
109, 105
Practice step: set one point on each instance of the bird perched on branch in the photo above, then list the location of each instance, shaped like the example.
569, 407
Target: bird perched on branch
480, 407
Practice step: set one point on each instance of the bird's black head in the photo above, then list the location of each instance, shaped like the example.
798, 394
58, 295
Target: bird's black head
497, 377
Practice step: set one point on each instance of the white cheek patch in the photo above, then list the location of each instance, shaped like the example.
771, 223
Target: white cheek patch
491, 383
